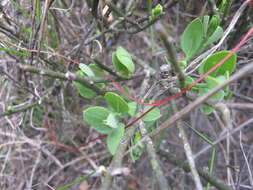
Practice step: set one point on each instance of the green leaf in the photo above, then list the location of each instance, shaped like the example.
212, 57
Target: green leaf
86, 70
127, 90
227, 66
132, 108
152, 115
125, 59
150, 126
97, 74
218, 96
213, 24
111, 121
96, 116
138, 147
207, 110
83, 90
214, 81
95, 67
116, 102
189, 80
157, 11
228, 95
192, 38
217, 34
205, 21
113, 139
117, 64
183, 64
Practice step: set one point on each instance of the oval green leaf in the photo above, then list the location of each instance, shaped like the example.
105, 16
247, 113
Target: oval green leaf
217, 34
132, 108
152, 115
205, 22
218, 96
157, 11
83, 90
117, 64
96, 116
95, 68
113, 139
213, 24
116, 102
86, 70
207, 110
212, 82
192, 38
111, 121
125, 59
227, 67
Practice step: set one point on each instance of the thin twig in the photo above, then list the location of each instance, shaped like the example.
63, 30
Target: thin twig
120, 14
247, 162
154, 160
172, 53
226, 117
18, 110
224, 136
38, 159
42, 24
17, 82
207, 176
68, 76
188, 151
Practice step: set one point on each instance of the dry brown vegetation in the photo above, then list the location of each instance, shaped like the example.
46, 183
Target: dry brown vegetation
41, 122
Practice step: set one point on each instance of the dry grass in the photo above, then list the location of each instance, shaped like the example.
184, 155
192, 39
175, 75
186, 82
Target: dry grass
31, 159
